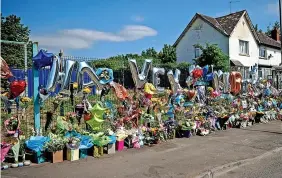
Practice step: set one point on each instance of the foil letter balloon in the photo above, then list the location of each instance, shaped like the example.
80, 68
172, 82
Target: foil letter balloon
54, 75
235, 79
225, 80
84, 67
174, 80
156, 78
66, 80
215, 81
139, 79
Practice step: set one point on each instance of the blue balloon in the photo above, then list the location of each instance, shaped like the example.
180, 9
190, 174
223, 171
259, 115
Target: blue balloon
209, 77
205, 70
106, 75
43, 59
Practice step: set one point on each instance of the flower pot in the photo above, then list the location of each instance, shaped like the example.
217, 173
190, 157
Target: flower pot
83, 153
72, 154
98, 151
186, 133
119, 145
111, 148
56, 157
35, 157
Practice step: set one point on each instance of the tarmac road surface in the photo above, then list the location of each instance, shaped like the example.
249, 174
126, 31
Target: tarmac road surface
222, 154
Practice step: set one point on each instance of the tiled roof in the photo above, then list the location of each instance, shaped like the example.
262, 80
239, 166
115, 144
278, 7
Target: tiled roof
226, 24
214, 22
265, 40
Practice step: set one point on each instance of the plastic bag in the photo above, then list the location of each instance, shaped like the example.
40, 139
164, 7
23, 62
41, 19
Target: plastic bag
86, 142
4, 150
36, 143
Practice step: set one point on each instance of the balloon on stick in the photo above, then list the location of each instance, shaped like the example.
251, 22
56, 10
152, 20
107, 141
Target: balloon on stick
139, 78
156, 78
174, 80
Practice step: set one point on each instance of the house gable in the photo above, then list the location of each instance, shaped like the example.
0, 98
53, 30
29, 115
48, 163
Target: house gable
211, 21
199, 32
243, 31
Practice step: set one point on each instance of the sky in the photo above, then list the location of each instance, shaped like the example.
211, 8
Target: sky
104, 28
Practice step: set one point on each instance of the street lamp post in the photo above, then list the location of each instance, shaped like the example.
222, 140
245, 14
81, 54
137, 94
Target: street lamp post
280, 15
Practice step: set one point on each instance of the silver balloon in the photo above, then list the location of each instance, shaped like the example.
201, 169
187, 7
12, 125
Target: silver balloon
191, 68
54, 75
215, 81
174, 80
156, 78
139, 79
201, 94
189, 81
225, 80
66, 79
83, 67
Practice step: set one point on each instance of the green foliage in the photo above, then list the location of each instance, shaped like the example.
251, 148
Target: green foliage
13, 30
166, 58
271, 27
168, 54
150, 52
212, 55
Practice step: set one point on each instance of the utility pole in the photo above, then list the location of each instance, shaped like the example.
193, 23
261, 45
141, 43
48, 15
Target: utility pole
280, 15
230, 5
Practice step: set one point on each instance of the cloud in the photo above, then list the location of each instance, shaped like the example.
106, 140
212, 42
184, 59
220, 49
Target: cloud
137, 18
84, 38
273, 8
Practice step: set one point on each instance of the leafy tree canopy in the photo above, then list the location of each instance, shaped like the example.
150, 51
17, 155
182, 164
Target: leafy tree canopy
212, 55
271, 27
13, 30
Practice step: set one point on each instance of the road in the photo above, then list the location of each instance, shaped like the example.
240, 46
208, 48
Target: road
215, 154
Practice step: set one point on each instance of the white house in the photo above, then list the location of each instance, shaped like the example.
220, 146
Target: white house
236, 36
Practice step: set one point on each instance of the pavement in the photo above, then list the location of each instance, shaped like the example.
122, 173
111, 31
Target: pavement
239, 153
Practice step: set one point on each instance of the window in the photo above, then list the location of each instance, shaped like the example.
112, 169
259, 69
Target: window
244, 47
197, 52
262, 52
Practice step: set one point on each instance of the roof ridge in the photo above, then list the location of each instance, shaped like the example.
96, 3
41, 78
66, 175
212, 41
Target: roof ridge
214, 19
231, 14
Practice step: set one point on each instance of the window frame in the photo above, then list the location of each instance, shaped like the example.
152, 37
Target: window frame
246, 45
265, 53
195, 52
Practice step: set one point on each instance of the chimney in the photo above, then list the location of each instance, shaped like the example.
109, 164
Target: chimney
275, 34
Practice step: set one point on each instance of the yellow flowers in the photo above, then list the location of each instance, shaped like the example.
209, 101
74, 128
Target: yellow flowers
86, 90
75, 85
25, 99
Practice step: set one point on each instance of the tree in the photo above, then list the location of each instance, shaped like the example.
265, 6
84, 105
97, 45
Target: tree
212, 55
168, 54
256, 27
270, 27
13, 30
150, 52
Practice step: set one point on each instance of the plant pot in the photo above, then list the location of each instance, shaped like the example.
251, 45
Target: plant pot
35, 157
98, 151
83, 153
56, 157
111, 148
119, 145
72, 154
186, 133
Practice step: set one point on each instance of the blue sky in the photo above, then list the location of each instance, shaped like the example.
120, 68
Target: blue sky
92, 28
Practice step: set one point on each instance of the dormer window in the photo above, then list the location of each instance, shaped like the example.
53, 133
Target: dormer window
262, 52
